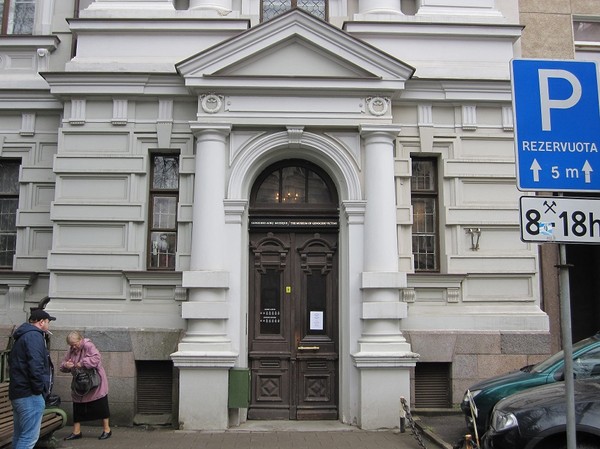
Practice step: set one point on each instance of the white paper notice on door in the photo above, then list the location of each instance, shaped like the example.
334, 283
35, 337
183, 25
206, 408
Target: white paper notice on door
316, 321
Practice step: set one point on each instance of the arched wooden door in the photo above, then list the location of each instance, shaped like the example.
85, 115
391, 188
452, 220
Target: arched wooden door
293, 323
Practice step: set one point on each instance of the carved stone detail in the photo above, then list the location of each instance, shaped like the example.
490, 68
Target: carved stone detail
378, 106
211, 103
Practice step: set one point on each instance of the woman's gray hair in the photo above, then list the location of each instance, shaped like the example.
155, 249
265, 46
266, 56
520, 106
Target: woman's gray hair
74, 336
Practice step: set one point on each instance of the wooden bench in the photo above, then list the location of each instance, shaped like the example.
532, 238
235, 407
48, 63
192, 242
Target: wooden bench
54, 418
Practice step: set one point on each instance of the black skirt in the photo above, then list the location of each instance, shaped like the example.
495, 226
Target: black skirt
89, 411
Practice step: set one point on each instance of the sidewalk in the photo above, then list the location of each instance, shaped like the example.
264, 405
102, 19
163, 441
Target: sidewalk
265, 435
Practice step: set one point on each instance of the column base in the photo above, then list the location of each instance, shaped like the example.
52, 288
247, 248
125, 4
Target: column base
383, 379
204, 389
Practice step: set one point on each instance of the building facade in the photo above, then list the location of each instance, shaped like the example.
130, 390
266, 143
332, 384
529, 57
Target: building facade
321, 195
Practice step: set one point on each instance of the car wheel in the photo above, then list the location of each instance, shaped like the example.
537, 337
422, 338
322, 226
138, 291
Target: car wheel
588, 445
582, 445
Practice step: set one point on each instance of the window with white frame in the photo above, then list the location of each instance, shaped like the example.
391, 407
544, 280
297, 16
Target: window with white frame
9, 202
17, 16
586, 31
424, 201
586, 34
273, 8
164, 194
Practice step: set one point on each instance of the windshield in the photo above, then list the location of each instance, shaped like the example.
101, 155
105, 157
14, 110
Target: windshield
543, 366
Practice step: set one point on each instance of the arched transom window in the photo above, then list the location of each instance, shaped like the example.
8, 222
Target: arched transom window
294, 184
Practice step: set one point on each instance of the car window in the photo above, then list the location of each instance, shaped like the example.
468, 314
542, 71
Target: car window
544, 365
587, 365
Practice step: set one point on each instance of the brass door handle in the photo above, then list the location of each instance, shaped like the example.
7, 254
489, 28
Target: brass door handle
308, 348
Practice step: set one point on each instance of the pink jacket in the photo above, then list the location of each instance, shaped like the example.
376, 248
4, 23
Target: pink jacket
90, 357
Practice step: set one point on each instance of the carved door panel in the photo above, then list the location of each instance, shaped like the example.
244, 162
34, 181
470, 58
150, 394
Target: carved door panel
293, 325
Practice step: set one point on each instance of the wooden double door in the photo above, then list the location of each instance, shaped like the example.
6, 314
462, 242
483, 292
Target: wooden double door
293, 325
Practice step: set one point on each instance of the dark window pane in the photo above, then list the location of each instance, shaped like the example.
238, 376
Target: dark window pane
424, 248
268, 191
270, 303
165, 173
164, 246
587, 31
9, 178
318, 192
273, 8
165, 212
425, 217
20, 17
8, 244
9, 203
316, 291
315, 7
423, 176
293, 185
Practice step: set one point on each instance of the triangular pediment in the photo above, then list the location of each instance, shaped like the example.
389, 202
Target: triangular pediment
295, 56
293, 46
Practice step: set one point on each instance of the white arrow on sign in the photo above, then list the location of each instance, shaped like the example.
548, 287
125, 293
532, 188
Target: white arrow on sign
587, 169
535, 168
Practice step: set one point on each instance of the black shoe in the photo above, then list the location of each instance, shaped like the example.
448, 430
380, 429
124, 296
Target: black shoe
74, 436
105, 435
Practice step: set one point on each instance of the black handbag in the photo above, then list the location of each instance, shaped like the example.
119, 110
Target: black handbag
52, 400
84, 380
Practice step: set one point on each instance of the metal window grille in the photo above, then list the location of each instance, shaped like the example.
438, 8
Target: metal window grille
274, 8
154, 387
433, 385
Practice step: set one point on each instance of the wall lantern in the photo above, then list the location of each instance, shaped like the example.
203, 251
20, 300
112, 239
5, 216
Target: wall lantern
475, 234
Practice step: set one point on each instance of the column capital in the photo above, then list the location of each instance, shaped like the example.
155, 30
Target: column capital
390, 130
200, 128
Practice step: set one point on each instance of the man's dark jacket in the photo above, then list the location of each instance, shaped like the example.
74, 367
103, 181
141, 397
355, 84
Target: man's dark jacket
29, 363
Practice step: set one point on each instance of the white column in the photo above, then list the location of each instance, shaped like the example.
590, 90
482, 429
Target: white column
132, 4
384, 357
475, 8
218, 6
127, 8
379, 7
381, 280
205, 353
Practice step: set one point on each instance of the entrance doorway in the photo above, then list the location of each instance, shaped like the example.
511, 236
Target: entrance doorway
293, 310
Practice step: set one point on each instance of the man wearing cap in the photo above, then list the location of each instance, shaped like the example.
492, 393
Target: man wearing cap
30, 375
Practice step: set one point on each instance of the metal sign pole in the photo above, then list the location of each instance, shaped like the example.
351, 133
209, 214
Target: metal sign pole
567, 343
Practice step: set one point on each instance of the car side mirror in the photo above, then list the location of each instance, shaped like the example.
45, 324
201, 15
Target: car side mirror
559, 376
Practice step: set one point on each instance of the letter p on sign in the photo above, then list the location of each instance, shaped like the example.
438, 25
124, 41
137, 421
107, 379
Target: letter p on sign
556, 102
547, 103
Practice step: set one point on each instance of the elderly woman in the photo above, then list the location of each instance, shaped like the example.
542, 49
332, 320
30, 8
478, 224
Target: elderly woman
92, 405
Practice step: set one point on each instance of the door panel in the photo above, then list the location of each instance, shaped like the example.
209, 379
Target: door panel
293, 325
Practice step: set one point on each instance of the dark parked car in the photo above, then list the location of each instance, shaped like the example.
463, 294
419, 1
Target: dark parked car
536, 418
485, 394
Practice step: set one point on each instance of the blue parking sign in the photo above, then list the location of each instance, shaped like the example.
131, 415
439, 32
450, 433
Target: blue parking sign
556, 107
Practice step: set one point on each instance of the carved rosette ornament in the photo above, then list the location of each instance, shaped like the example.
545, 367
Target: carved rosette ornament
378, 106
211, 103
